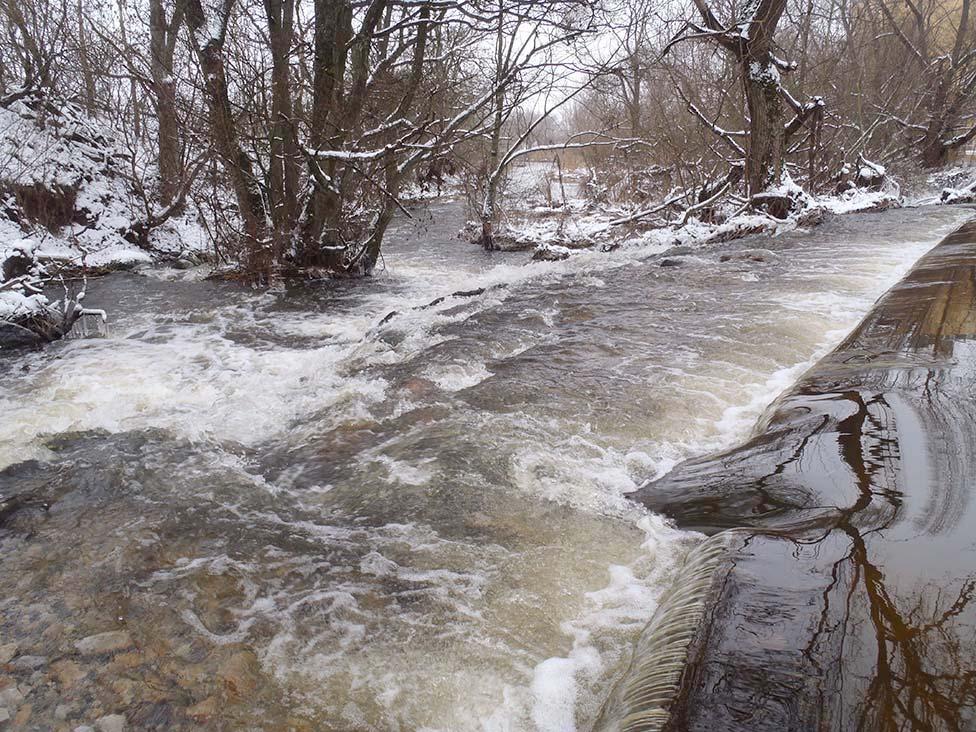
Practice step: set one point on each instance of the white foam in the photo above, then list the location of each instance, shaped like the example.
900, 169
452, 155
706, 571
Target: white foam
457, 376
189, 377
561, 684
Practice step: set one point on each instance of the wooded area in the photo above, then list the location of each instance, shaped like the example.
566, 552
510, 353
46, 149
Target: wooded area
294, 126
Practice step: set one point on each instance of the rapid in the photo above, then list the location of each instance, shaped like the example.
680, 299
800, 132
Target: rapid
395, 504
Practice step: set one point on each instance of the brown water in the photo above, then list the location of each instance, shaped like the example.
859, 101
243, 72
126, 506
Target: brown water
295, 515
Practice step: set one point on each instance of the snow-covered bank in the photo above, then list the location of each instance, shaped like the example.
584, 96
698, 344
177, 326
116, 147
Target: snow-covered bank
555, 226
68, 182
70, 196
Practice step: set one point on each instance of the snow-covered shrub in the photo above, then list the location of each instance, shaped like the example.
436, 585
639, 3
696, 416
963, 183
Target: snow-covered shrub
27, 316
864, 186
958, 184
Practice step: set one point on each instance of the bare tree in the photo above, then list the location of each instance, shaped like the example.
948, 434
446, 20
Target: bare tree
748, 38
948, 74
526, 70
163, 35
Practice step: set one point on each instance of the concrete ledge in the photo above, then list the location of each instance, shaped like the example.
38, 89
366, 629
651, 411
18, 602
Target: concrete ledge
845, 598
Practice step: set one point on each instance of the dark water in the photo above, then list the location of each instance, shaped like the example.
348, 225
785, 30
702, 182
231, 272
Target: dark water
299, 516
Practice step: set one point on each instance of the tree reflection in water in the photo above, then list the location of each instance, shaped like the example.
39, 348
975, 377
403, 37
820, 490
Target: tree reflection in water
923, 671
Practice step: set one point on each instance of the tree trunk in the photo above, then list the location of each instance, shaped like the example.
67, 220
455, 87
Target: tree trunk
85, 62
633, 99
162, 41
284, 153
133, 87
258, 254
489, 204
320, 244
36, 71
764, 154
933, 153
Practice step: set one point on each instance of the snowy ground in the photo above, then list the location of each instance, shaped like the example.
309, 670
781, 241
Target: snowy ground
558, 219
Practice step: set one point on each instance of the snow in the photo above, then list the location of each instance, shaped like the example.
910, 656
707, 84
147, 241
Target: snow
69, 194
871, 170
788, 188
764, 73
957, 184
19, 298
578, 223
57, 148
858, 199
15, 304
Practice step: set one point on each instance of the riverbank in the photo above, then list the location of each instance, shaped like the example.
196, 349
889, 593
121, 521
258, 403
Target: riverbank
844, 600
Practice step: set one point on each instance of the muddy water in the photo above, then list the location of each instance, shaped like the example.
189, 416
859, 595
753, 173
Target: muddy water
343, 507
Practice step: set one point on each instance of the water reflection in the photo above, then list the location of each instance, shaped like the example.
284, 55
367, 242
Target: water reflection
901, 650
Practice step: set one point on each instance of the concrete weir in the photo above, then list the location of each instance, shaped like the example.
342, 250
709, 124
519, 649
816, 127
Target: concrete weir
837, 590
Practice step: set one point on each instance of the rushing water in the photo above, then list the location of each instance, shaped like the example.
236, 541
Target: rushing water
305, 512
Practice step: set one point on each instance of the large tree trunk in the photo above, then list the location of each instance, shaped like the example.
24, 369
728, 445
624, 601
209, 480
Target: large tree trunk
162, 40
749, 40
933, 153
284, 153
320, 243
764, 153
168, 141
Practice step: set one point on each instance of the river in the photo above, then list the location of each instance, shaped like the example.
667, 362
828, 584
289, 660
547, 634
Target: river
380, 506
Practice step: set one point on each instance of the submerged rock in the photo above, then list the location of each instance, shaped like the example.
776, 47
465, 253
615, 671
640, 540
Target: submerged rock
110, 723
240, 673
67, 673
205, 709
7, 651
109, 642
29, 663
